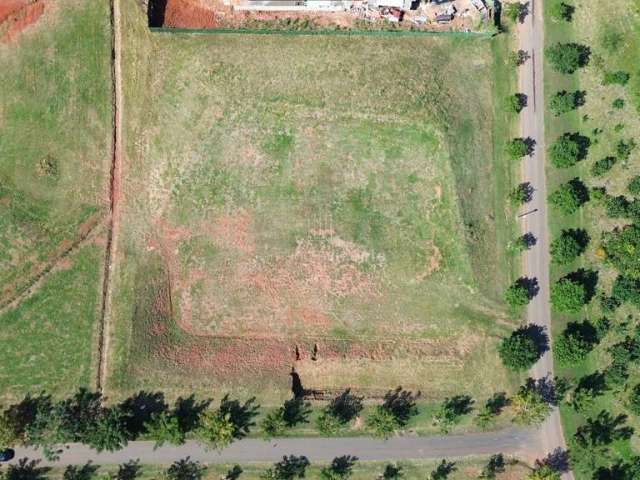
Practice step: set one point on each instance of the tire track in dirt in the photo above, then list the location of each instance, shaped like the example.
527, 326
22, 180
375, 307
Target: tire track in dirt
114, 195
37, 280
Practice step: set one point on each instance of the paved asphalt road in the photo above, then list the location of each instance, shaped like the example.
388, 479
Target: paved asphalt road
536, 261
510, 441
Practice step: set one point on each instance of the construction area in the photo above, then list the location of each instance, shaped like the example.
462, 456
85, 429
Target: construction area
432, 15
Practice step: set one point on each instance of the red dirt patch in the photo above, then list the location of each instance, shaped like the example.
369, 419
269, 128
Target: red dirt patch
16, 15
188, 14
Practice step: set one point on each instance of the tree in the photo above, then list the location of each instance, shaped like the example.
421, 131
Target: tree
624, 149
396, 410
522, 243
634, 400
568, 295
451, 410
76, 472
241, 415
589, 388
521, 194
233, 473
518, 148
494, 466
529, 405
391, 472
340, 468
288, 468
568, 150
340, 411
520, 350
273, 424
515, 11
109, 431
621, 248
26, 469
382, 422
185, 469
616, 78
491, 409
564, 102
215, 429
575, 343
518, 58
164, 427
543, 472
519, 293
128, 471
602, 166
515, 103
634, 185
626, 290
8, 431
443, 470
567, 57
561, 12
618, 103
602, 430
568, 246
570, 196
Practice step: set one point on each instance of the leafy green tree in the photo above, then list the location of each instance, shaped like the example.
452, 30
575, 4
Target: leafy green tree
602, 430
519, 293
233, 473
443, 470
109, 430
543, 472
588, 389
451, 410
494, 466
26, 469
624, 149
626, 290
518, 148
215, 429
514, 11
130, 470
397, 408
288, 468
340, 468
164, 427
185, 469
240, 414
568, 246
616, 206
290, 414
568, 295
567, 57
391, 472
520, 350
616, 78
621, 248
602, 166
575, 343
382, 422
561, 11
564, 102
634, 185
340, 411
570, 196
568, 149
529, 405
273, 424
518, 58
77, 472
515, 103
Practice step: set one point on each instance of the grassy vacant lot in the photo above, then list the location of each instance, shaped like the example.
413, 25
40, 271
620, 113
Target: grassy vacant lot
590, 28
54, 156
335, 194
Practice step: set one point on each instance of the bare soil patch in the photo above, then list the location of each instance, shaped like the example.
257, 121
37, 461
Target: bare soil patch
16, 15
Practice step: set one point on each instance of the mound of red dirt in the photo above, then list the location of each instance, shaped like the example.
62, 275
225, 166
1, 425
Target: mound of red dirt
188, 14
16, 15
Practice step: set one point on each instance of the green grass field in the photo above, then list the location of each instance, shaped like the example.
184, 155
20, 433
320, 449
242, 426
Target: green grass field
590, 28
54, 158
337, 194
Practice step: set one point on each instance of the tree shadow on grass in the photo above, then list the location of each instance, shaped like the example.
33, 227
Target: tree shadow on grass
140, 407
530, 284
588, 279
188, 411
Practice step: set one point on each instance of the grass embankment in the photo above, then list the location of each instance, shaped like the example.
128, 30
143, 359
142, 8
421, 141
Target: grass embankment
55, 109
605, 125
308, 190
465, 469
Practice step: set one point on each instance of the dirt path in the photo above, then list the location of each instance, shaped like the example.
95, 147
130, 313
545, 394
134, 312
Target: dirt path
114, 196
536, 260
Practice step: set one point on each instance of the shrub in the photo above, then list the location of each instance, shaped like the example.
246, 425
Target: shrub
621, 248
568, 150
451, 410
518, 58
624, 149
634, 185
616, 207
611, 39
618, 103
602, 166
616, 78
568, 246
562, 12
515, 103
567, 57
564, 102
570, 196
568, 295
519, 351
626, 290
